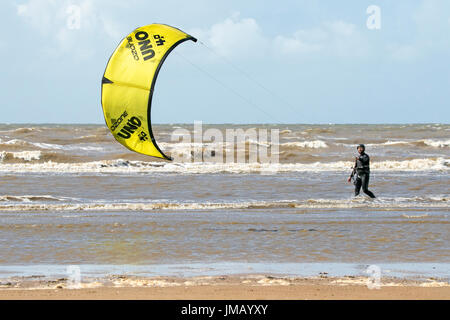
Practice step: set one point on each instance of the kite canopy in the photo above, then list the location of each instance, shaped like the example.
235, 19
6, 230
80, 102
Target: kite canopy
129, 81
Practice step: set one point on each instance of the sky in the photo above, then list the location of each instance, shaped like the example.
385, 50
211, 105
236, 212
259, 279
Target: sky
302, 61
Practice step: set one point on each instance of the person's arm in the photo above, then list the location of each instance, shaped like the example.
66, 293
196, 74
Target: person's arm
353, 171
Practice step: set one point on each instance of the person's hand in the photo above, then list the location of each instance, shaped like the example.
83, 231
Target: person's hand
349, 180
356, 158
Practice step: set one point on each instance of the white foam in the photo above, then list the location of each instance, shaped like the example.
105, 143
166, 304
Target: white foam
437, 143
427, 142
65, 147
413, 165
390, 143
19, 142
14, 142
414, 202
50, 146
272, 282
24, 155
20, 130
127, 282
432, 283
387, 143
131, 167
33, 198
315, 144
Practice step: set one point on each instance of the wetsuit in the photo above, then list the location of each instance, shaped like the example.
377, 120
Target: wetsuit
362, 170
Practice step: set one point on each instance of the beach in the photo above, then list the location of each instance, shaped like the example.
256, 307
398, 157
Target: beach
232, 288
78, 209
238, 288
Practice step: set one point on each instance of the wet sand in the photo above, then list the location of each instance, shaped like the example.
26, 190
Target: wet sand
233, 288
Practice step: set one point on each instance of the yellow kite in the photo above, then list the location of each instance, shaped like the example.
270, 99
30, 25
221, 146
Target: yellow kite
129, 81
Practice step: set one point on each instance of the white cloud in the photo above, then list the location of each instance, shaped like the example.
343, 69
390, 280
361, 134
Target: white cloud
110, 27
337, 38
293, 45
234, 36
22, 9
403, 52
243, 37
427, 24
430, 17
68, 26
302, 41
38, 14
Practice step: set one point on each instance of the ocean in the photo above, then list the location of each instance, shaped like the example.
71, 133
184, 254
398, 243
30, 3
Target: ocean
72, 195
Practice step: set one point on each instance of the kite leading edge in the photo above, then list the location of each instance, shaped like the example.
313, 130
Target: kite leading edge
129, 81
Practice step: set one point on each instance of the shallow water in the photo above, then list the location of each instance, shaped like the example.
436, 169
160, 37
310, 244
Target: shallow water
72, 195
252, 235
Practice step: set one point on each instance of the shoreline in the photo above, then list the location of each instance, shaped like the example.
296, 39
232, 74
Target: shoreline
409, 271
246, 287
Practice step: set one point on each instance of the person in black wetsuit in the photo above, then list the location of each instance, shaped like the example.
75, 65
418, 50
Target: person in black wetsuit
361, 172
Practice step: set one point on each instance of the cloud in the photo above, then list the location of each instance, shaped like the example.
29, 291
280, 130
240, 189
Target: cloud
403, 52
68, 26
243, 37
302, 41
336, 38
430, 16
429, 22
38, 14
234, 36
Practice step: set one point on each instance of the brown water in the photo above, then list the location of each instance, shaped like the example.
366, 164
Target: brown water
70, 194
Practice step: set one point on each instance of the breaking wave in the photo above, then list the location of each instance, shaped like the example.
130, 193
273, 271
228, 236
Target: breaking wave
32, 198
437, 143
416, 143
316, 144
19, 205
33, 156
129, 166
23, 155
50, 146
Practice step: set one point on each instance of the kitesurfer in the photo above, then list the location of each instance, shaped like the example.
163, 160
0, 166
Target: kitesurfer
361, 172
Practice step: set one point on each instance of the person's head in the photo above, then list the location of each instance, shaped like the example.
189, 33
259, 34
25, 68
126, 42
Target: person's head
361, 148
